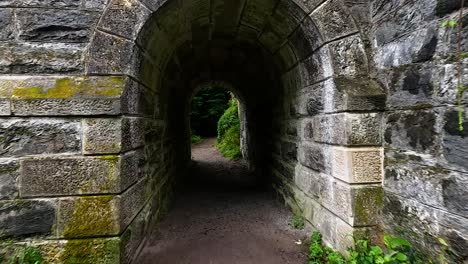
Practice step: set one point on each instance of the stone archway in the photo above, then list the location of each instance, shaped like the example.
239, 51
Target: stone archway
96, 147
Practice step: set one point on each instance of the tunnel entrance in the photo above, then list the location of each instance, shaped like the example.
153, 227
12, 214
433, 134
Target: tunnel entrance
301, 71
95, 135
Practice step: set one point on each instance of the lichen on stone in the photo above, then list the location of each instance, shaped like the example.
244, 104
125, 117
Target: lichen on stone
92, 216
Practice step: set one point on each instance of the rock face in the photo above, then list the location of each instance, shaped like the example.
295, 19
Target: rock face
349, 108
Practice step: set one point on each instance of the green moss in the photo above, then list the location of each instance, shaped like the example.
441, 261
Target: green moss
71, 87
92, 216
91, 251
367, 201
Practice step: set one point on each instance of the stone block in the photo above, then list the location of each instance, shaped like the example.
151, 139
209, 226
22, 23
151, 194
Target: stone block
70, 175
135, 234
418, 46
315, 68
7, 32
412, 130
430, 184
411, 87
454, 141
5, 107
27, 217
102, 135
55, 25
312, 156
124, 18
349, 57
112, 135
92, 250
71, 95
9, 173
88, 216
133, 133
310, 100
110, 54
357, 165
305, 39
333, 21
43, 58
132, 201
289, 151
132, 168
348, 129
64, 4
138, 100
424, 225
357, 205
20, 136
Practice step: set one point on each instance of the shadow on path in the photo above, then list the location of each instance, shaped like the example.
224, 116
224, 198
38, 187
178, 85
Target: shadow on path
219, 217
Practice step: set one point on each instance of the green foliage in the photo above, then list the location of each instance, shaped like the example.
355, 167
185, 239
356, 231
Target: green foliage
319, 254
14, 254
297, 222
196, 139
207, 107
229, 132
449, 23
397, 250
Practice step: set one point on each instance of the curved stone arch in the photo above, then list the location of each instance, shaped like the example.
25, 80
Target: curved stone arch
323, 69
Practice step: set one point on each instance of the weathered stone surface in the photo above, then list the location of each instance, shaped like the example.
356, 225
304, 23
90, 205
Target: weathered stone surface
42, 3
39, 136
111, 54
27, 217
102, 135
455, 141
70, 176
133, 168
133, 133
357, 165
55, 25
411, 130
18, 58
316, 68
410, 87
349, 58
418, 46
347, 129
92, 250
71, 95
333, 21
5, 107
62, 107
289, 151
132, 201
425, 225
95, 4
9, 173
88, 216
430, 185
124, 18
312, 156
358, 206
6, 18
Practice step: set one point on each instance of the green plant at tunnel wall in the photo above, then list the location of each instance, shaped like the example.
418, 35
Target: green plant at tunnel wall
396, 250
229, 132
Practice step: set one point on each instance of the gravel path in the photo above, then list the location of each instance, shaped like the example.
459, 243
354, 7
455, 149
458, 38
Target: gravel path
220, 218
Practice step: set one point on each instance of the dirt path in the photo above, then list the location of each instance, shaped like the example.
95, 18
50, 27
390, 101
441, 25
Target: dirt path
221, 219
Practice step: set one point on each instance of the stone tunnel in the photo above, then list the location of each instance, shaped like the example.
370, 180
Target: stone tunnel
349, 111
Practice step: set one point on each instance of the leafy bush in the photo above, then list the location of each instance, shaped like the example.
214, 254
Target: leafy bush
196, 139
229, 132
397, 250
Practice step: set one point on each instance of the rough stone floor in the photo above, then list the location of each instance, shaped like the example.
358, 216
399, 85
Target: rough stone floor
220, 218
